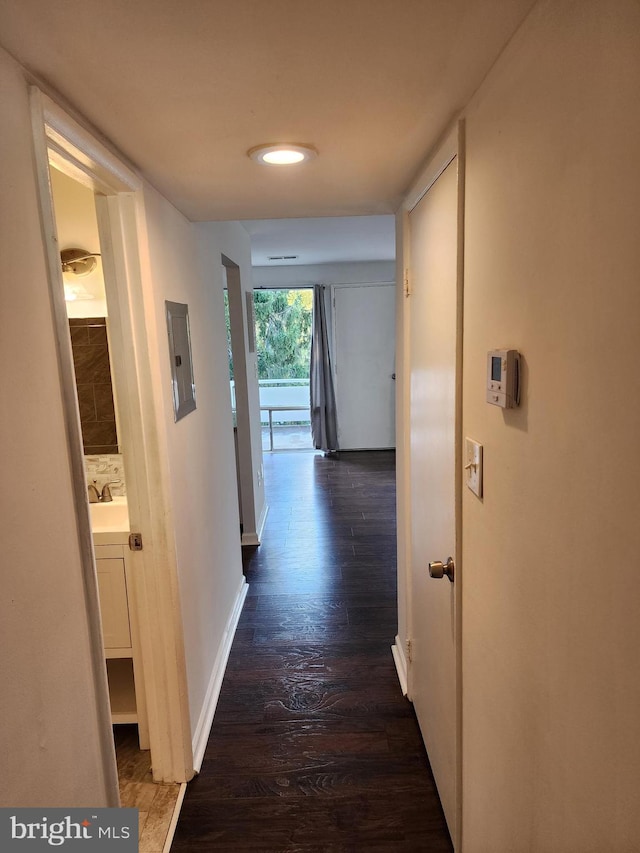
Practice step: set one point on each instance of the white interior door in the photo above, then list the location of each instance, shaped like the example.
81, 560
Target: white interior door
434, 413
364, 348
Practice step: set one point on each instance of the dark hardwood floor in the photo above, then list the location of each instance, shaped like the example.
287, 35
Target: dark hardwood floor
313, 746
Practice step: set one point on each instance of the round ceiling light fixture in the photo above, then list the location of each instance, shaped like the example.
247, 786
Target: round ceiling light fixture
284, 154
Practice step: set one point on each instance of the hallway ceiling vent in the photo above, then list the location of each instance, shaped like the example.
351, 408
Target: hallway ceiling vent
282, 154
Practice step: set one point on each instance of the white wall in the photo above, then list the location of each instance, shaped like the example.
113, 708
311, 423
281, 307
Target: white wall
49, 737
200, 452
551, 633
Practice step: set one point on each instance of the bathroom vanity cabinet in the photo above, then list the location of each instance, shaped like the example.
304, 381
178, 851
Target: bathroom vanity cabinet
120, 631
114, 603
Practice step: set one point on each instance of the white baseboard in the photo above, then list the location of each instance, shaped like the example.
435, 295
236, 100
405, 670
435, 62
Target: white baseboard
255, 537
201, 734
400, 661
263, 521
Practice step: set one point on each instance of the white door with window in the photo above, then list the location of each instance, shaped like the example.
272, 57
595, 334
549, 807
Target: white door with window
434, 313
364, 365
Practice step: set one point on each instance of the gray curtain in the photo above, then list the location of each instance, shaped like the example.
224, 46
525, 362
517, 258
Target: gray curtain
323, 401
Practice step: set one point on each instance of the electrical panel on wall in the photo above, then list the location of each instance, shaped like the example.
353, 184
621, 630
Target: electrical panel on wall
184, 389
503, 378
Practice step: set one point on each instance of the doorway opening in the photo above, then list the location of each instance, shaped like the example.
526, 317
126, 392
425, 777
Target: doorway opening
283, 326
85, 290
85, 284
114, 194
238, 313
232, 389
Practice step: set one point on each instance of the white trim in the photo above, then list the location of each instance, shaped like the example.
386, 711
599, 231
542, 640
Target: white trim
248, 432
201, 733
429, 174
263, 520
401, 664
174, 818
254, 537
157, 590
340, 284
403, 496
66, 371
80, 148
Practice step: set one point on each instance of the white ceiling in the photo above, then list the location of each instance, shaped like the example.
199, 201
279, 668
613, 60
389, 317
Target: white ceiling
183, 89
341, 239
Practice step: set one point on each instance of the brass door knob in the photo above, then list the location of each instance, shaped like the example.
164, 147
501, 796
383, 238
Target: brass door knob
438, 569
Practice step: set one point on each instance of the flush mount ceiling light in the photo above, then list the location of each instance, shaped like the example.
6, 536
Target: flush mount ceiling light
283, 154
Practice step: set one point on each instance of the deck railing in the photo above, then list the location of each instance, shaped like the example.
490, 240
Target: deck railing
283, 402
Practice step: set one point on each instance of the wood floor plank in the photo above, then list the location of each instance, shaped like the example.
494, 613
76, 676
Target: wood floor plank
313, 747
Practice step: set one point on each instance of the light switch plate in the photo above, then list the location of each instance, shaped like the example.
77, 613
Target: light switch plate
473, 466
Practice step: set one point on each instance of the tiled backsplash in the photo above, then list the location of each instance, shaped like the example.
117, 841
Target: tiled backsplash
108, 468
93, 380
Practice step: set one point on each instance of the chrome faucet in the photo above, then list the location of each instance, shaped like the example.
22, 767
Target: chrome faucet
100, 497
106, 496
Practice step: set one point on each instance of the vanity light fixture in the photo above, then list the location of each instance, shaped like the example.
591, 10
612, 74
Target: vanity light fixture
78, 261
284, 154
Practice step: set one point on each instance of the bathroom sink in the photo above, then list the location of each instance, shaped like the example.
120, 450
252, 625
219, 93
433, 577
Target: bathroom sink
111, 516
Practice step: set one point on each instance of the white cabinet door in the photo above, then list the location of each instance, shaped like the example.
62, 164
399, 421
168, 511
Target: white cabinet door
364, 331
114, 607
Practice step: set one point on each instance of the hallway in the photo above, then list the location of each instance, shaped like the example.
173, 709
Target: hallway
313, 747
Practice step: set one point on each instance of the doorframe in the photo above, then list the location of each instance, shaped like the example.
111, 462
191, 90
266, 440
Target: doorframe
451, 148
279, 288
246, 425
60, 140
